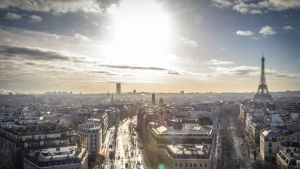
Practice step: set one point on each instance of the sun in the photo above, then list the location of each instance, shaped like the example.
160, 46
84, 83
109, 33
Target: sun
141, 34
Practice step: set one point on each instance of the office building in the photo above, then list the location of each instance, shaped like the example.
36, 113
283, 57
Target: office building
90, 136
110, 118
118, 88
23, 135
153, 101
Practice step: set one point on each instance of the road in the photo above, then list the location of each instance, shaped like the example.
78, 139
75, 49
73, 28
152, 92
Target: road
108, 140
230, 156
140, 157
216, 144
121, 153
128, 153
238, 143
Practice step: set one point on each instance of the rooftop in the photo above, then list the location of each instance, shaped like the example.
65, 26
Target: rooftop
56, 156
271, 133
188, 128
189, 151
89, 127
33, 127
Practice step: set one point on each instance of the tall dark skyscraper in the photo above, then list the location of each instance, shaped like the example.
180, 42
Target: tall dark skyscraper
263, 94
153, 99
118, 88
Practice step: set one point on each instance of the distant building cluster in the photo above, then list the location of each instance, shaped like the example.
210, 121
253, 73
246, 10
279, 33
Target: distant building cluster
65, 130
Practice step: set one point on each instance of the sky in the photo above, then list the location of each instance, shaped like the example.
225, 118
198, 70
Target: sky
151, 45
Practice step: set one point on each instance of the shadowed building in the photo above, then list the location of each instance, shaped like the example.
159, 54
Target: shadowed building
289, 156
22, 136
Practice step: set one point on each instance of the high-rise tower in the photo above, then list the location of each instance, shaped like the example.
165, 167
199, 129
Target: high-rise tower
118, 88
263, 94
153, 99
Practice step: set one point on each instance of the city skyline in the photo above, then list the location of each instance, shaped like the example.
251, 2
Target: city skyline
195, 46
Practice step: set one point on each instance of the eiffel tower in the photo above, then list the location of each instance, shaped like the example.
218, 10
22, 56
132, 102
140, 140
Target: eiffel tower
262, 94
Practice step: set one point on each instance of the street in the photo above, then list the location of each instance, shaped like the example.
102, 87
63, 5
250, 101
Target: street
127, 152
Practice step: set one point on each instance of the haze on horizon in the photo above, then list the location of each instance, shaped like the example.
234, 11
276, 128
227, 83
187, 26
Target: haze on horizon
152, 45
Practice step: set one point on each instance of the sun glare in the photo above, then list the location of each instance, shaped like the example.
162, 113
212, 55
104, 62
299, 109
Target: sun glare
141, 34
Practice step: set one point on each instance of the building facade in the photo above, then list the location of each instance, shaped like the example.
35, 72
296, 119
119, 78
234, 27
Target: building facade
269, 144
20, 136
90, 136
190, 156
69, 157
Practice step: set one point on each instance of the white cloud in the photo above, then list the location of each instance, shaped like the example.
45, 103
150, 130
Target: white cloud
255, 11
244, 33
280, 5
288, 28
82, 37
12, 16
222, 3
96, 23
4, 91
53, 42
245, 8
246, 71
35, 18
187, 41
218, 62
267, 31
258, 7
235, 70
58, 6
